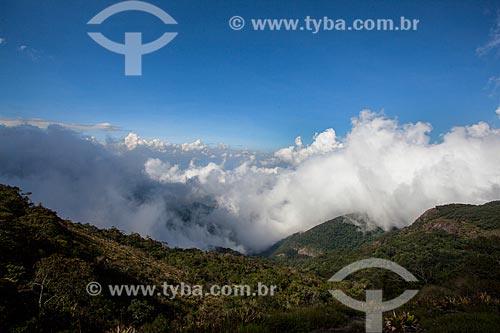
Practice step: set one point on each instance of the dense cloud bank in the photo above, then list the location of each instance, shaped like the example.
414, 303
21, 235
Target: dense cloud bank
194, 195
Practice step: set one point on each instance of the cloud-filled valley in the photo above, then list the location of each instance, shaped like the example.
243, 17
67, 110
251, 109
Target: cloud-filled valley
196, 195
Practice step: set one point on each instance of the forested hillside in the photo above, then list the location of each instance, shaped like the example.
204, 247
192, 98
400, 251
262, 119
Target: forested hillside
46, 264
344, 232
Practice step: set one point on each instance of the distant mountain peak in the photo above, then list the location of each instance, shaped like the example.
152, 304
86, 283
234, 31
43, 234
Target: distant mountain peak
343, 232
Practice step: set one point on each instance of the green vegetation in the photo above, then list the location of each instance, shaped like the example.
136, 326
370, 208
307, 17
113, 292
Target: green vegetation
345, 232
401, 322
46, 264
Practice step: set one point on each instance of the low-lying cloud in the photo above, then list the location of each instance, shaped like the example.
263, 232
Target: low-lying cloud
195, 195
41, 123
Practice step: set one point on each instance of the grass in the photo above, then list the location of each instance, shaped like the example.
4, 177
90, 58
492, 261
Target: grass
464, 323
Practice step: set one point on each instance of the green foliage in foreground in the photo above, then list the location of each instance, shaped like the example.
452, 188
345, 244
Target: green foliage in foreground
46, 263
466, 323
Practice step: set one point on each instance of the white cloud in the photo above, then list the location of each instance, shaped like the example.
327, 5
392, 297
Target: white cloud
498, 112
494, 39
165, 173
493, 86
41, 123
390, 171
322, 143
32, 53
133, 141
3, 41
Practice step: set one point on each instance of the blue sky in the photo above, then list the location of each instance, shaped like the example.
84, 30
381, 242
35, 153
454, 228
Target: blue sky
256, 89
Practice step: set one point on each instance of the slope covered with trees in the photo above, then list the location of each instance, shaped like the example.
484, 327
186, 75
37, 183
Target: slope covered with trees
46, 264
344, 232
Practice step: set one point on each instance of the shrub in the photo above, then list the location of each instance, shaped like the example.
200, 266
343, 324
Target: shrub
401, 322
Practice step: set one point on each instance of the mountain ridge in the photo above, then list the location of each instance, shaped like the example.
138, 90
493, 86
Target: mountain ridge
343, 232
46, 263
